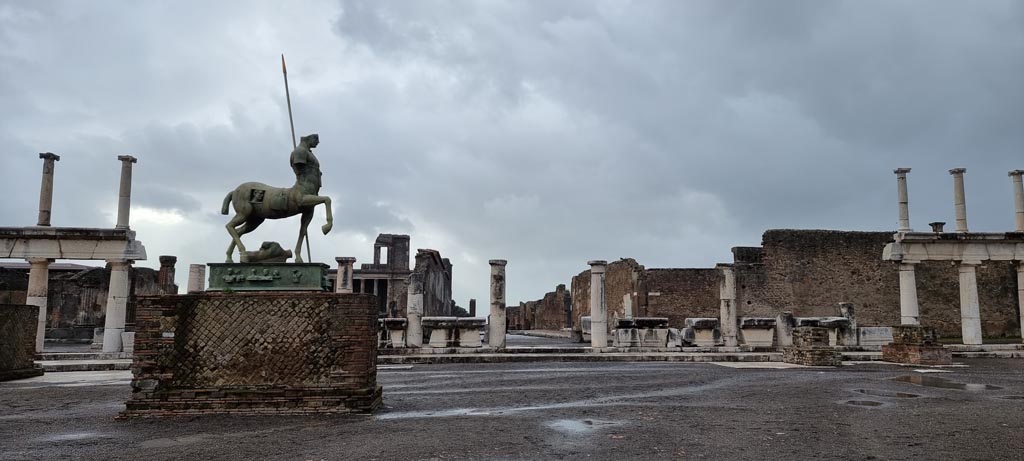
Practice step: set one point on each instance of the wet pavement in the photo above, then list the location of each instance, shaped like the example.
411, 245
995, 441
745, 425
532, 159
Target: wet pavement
567, 411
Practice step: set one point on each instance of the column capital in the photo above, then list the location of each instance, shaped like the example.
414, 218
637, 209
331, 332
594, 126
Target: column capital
901, 171
597, 262
34, 261
345, 259
956, 171
118, 262
1016, 173
497, 262
127, 158
49, 156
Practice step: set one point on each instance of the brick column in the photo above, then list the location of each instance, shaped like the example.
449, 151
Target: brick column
38, 287
343, 282
904, 209
970, 312
727, 295
959, 202
496, 325
909, 310
117, 306
598, 306
46, 189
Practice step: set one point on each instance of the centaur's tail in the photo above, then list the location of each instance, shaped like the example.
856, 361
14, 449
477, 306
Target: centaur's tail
227, 201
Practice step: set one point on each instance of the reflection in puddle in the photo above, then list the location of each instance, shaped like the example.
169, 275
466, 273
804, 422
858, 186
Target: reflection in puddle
880, 393
864, 403
71, 436
932, 381
578, 426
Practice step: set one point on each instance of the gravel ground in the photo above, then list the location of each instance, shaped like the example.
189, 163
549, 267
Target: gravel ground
561, 411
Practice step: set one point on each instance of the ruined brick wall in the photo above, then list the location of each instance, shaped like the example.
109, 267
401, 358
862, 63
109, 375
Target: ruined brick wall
254, 353
622, 278
18, 341
682, 293
549, 311
13, 285
809, 271
434, 273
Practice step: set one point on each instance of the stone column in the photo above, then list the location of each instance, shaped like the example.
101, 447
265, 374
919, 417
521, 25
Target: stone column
343, 283
124, 195
1020, 292
46, 189
165, 277
414, 313
727, 295
117, 306
472, 307
909, 310
598, 306
970, 311
1018, 198
901, 186
496, 325
959, 202
196, 278
38, 287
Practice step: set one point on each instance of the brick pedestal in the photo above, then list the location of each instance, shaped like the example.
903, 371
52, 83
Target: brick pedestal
811, 347
254, 353
18, 341
916, 345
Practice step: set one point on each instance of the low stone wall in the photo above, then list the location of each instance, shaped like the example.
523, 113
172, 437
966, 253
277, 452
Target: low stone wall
255, 353
18, 341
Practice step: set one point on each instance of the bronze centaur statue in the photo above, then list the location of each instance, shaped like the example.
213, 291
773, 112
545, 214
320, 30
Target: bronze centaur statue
255, 202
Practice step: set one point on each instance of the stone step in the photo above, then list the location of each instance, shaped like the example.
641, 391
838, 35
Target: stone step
51, 356
984, 347
581, 357
57, 366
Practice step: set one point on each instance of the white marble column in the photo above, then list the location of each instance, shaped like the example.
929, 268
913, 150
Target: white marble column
343, 282
124, 196
496, 324
970, 311
910, 313
598, 306
38, 287
904, 208
727, 295
196, 278
46, 189
1018, 198
414, 315
959, 201
1020, 293
117, 306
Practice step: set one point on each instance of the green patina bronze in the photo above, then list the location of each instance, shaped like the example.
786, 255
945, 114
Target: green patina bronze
255, 202
268, 277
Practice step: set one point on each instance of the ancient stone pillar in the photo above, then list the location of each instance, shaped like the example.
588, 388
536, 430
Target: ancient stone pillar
124, 195
46, 189
1018, 198
848, 336
727, 295
901, 186
598, 306
38, 287
959, 202
343, 283
909, 310
784, 324
414, 313
1020, 291
970, 311
196, 278
165, 277
472, 308
496, 326
117, 306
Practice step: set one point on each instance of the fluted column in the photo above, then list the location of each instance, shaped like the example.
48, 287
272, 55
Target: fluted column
496, 325
904, 206
38, 287
117, 306
959, 201
909, 310
124, 195
598, 306
46, 188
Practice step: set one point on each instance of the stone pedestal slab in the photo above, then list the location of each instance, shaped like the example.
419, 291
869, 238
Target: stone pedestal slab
268, 277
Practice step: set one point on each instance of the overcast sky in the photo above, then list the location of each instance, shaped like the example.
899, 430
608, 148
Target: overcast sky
544, 132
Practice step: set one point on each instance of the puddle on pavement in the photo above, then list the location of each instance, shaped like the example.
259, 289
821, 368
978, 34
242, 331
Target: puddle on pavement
880, 393
579, 426
864, 403
1011, 397
943, 383
73, 436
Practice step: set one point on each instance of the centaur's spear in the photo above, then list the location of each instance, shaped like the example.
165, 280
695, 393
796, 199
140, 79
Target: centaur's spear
288, 96
291, 121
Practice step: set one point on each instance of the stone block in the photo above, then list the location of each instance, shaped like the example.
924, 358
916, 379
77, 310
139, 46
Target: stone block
626, 337
874, 336
917, 354
653, 337
441, 330
268, 277
913, 334
818, 356
18, 324
128, 342
469, 331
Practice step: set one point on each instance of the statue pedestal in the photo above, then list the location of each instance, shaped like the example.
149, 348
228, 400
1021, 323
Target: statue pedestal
268, 277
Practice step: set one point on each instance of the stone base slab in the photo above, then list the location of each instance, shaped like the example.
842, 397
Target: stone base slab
917, 354
268, 277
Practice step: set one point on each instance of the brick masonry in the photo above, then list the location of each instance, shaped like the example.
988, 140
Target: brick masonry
18, 341
810, 347
916, 345
254, 353
547, 313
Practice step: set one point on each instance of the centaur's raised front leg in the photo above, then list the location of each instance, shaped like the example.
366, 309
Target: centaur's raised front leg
314, 200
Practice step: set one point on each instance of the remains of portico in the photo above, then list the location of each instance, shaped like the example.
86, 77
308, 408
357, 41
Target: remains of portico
496, 323
599, 306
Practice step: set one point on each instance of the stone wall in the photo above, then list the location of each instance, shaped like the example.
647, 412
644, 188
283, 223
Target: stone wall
18, 341
434, 274
547, 313
252, 353
623, 278
682, 293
